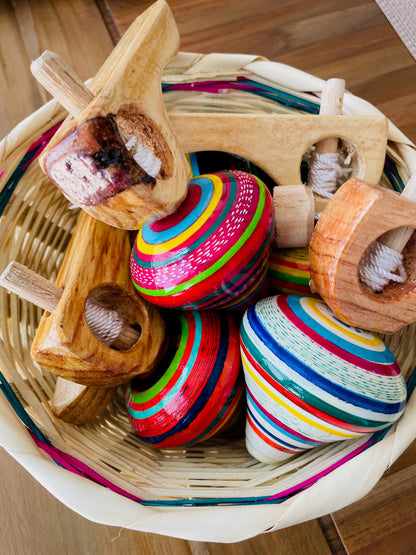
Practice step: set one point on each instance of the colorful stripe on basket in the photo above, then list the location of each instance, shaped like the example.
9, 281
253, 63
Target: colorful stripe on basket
33, 152
72, 464
243, 84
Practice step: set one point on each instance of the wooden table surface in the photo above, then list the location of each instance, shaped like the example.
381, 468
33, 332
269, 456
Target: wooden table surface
329, 38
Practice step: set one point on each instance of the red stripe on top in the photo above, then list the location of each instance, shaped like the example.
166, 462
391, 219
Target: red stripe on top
188, 205
374, 367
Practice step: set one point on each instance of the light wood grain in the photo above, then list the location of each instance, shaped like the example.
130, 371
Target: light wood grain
59, 79
73, 29
79, 404
45, 294
331, 104
275, 142
294, 207
128, 86
33, 522
295, 215
278, 142
356, 216
384, 521
349, 39
97, 264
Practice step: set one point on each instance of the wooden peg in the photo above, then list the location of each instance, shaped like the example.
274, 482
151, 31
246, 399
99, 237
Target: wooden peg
357, 215
97, 266
332, 100
274, 142
88, 159
295, 222
58, 78
294, 208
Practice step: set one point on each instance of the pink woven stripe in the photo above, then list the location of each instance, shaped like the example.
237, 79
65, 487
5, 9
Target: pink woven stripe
45, 138
310, 481
76, 466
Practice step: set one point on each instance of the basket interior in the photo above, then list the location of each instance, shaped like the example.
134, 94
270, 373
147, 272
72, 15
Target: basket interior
35, 228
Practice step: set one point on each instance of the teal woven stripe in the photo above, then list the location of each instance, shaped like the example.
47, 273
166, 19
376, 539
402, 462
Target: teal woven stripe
20, 411
13, 181
390, 171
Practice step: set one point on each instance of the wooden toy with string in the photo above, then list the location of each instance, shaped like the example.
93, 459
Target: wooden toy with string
364, 241
116, 155
298, 207
133, 150
119, 131
96, 331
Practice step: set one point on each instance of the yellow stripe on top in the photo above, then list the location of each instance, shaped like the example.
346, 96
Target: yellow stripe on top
289, 271
295, 413
182, 237
376, 341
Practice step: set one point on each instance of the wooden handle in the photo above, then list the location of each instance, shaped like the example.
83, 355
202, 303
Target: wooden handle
55, 75
61, 81
30, 286
38, 290
397, 238
207, 131
331, 105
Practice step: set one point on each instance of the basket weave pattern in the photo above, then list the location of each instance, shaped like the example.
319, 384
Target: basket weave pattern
36, 222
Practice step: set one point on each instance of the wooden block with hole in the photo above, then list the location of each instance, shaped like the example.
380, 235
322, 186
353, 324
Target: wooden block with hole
97, 265
278, 142
357, 215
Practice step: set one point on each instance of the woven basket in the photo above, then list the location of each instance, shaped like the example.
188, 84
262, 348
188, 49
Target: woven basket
210, 492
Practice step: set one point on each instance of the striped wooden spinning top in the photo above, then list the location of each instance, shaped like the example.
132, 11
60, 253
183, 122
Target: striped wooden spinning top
197, 389
312, 379
213, 251
289, 271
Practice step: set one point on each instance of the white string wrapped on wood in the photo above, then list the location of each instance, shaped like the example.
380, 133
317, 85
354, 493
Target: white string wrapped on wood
382, 261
